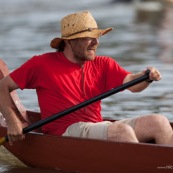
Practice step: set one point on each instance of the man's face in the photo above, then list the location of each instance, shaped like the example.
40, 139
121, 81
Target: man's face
84, 48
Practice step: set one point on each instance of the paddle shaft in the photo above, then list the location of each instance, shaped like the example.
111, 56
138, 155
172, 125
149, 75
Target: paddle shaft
83, 104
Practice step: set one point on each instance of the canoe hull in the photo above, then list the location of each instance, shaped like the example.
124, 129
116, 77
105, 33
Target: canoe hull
86, 155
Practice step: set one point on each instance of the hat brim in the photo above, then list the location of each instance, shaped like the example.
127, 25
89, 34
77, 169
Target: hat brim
93, 34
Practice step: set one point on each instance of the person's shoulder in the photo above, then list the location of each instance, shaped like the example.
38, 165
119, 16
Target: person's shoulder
48, 56
104, 59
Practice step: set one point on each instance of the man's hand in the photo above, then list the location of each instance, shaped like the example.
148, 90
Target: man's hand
154, 74
15, 131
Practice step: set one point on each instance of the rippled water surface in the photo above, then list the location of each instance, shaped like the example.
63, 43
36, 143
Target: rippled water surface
26, 28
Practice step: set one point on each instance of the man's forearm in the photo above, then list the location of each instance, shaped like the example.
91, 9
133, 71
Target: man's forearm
139, 87
154, 75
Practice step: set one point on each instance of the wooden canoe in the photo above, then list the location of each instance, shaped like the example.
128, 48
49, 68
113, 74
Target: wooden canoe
90, 156
85, 155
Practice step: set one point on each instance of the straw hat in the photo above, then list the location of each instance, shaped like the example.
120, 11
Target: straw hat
78, 25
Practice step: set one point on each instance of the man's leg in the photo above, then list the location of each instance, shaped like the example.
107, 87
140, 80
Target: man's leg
103, 130
120, 132
155, 127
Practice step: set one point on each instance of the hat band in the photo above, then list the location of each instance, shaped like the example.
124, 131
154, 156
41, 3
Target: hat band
88, 29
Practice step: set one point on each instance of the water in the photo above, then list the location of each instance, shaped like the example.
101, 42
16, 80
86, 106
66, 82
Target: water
28, 26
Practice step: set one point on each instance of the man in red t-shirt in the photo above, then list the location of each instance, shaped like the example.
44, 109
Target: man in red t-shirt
72, 75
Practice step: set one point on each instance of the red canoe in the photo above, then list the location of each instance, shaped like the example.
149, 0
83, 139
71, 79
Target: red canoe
85, 155
90, 156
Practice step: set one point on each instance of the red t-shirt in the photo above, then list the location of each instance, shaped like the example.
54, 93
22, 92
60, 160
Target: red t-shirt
61, 84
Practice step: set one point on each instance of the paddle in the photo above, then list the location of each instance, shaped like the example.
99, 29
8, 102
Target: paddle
80, 105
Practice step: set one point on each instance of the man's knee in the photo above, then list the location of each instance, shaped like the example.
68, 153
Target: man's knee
157, 125
159, 121
121, 132
162, 130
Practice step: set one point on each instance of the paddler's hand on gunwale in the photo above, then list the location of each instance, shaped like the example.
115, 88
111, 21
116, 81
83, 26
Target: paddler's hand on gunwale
15, 131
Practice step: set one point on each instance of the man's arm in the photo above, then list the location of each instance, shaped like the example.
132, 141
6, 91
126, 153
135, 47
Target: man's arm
9, 109
153, 75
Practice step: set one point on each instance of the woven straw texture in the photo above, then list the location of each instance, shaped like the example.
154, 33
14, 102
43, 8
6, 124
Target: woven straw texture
78, 25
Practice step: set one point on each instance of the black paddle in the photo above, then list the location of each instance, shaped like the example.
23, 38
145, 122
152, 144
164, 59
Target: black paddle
80, 105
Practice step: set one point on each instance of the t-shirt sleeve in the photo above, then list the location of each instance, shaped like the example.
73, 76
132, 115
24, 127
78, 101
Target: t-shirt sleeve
27, 74
114, 74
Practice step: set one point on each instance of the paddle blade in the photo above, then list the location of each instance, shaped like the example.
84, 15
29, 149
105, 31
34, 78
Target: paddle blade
3, 140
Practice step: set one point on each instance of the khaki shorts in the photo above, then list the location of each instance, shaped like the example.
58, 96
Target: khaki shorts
94, 130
